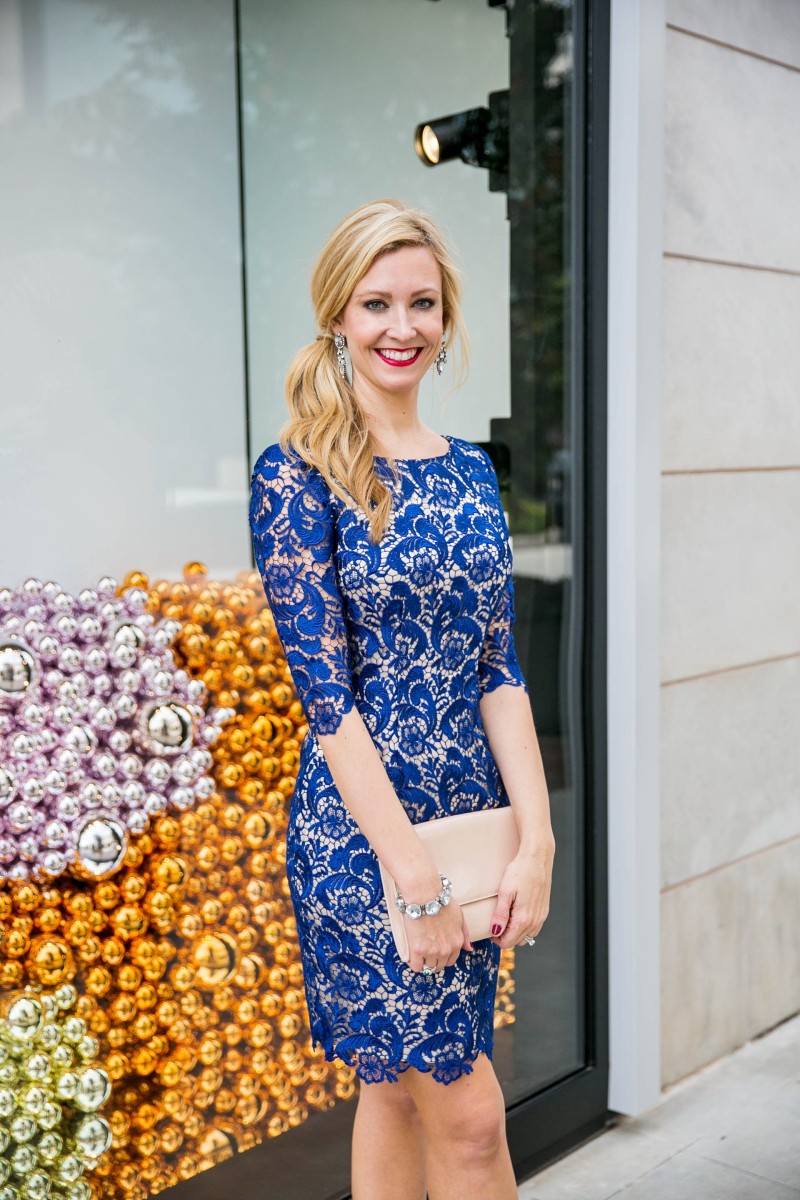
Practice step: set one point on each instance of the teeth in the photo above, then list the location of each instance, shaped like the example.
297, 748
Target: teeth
399, 355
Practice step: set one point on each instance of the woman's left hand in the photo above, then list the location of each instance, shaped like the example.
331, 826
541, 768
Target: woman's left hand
523, 901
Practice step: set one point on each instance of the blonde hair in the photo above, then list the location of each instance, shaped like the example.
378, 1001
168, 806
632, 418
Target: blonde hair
326, 426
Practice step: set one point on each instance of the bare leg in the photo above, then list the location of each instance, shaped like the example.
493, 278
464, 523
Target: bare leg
388, 1145
465, 1125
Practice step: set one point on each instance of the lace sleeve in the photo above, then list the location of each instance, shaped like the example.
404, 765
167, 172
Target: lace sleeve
498, 662
292, 523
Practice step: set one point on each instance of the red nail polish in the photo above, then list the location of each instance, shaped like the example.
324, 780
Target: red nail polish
496, 929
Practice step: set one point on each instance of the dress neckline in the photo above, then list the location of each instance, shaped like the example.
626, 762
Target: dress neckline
428, 458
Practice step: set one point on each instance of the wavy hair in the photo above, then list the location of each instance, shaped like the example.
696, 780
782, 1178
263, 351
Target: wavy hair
327, 427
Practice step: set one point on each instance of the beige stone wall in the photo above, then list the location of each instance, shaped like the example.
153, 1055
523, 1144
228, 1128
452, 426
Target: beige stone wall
730, 660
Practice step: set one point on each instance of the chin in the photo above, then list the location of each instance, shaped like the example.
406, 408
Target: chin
400, 383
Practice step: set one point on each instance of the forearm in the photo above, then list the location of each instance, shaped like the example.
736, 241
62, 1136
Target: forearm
508, 721
364, 786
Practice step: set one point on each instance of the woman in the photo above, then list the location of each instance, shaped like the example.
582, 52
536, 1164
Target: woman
384, 554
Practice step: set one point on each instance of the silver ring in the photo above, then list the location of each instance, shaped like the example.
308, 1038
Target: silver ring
529, 941
426, 970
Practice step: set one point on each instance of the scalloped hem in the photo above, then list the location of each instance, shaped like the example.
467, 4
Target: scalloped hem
372, 1069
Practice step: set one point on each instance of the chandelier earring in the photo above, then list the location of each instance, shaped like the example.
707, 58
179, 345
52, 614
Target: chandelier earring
441, 358
340, 344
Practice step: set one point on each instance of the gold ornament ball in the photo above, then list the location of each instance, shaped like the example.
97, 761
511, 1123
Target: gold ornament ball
215, 959
51, 961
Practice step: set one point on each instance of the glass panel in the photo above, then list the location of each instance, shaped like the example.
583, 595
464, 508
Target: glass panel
123, 428
330, 103
318, 141
329, 113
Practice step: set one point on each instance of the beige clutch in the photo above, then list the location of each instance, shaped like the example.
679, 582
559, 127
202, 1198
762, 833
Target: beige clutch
473, 850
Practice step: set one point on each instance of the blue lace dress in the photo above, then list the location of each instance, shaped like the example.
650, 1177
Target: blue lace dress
412, 631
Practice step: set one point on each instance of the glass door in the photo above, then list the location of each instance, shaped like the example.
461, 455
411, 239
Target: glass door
552, 448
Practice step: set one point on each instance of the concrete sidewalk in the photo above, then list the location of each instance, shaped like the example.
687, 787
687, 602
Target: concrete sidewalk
729, 1132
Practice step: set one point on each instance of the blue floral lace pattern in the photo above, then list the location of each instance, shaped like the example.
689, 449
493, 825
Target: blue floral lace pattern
412, 632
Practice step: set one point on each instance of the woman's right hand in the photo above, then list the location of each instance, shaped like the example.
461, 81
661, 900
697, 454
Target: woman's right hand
437, 941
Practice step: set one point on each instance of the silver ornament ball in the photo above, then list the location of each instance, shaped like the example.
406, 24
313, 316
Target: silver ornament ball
166, 727
23, 1128
70, 1168
37, 1186
138, 822
8, 785
23, 1160
93, 1090
33, 790
17, 670
50, 1116
24, 1018
101, 846
92, 1137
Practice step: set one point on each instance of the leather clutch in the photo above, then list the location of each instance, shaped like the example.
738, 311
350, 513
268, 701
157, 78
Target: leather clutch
473, 850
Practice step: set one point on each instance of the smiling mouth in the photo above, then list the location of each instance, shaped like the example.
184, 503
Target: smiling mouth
400, 358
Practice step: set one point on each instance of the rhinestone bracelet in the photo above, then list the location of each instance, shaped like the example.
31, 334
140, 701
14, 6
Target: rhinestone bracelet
415, 911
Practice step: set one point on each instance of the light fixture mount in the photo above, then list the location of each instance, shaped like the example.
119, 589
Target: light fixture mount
476, 136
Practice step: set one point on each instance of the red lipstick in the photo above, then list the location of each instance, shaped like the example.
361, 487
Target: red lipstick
400, 362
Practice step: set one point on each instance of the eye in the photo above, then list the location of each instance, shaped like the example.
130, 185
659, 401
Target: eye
374, 305
426, 302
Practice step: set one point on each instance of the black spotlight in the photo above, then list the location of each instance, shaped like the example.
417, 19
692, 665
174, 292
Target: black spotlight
478, 136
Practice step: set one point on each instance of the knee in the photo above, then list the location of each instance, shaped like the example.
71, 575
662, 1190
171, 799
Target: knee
478, 1131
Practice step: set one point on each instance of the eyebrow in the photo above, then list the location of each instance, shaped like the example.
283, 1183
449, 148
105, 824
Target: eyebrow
388, 295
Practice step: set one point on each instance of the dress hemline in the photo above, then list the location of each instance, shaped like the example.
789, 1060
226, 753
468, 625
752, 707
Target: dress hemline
371, 1069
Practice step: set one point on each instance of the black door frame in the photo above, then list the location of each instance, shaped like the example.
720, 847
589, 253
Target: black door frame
558, 1118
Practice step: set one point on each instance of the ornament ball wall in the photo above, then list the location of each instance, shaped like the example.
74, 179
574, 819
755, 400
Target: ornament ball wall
152, 1019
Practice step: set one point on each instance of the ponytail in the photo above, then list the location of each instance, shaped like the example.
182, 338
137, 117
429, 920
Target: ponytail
327, 429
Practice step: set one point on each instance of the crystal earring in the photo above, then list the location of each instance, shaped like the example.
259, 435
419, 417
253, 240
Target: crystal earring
441, 359
340, 344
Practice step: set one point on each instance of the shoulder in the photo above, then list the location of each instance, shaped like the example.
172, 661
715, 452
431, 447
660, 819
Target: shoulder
471, 451
281, 470
475, 457
274, 463
282, 479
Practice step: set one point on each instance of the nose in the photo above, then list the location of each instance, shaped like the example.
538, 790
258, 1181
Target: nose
401, 328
